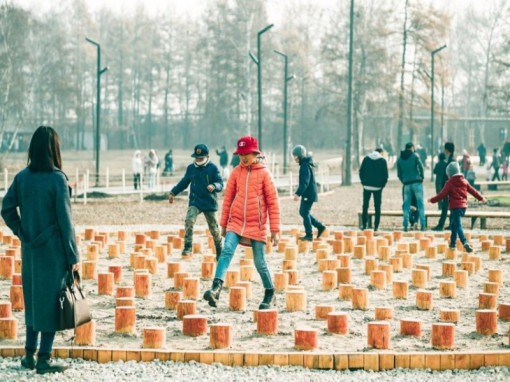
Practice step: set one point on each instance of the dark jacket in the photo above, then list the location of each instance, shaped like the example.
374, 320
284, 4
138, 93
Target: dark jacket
456, 189
200, 177
48, 241
223, 157
440, 171
307, 188
374, 171
409, 168
449, 160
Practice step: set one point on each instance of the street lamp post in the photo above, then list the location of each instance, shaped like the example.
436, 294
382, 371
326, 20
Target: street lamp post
98, 104
432, 54
286, 79
346, 177
258, 62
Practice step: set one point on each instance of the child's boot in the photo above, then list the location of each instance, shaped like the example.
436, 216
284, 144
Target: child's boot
269, 299
212, 295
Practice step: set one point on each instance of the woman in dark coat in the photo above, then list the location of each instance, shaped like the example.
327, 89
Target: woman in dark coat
48, 242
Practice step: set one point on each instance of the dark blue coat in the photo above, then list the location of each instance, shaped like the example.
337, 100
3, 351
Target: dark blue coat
200, 177
307, 188
48, 241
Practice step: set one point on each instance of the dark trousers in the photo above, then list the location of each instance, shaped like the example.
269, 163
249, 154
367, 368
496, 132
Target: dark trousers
496, 174
136, 181
46, 341
377, 207
456, 215
308, 219
444, 213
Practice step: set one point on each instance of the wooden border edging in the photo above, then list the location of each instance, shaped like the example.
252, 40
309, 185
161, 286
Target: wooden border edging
375, 361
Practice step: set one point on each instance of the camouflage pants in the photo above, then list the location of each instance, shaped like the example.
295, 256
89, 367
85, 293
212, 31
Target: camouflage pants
191, 218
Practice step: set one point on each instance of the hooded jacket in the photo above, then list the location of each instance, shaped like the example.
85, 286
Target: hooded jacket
200, 176
456, 189
409, 168
373, 172
307, 187
250, 200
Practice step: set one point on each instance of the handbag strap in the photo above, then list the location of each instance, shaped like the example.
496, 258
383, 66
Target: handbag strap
73, 277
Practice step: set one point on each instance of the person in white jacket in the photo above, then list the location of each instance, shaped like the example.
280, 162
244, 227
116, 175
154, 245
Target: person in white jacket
137, 165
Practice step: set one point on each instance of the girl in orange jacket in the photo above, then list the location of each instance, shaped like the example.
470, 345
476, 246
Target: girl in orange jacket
250, 200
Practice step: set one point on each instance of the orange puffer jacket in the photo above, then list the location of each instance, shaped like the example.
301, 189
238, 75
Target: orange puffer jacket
250, 197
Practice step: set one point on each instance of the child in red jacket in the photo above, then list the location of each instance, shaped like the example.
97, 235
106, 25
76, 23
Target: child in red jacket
456, 188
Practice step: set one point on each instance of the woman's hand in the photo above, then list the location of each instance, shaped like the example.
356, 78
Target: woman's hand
223, 231
275, 238
76, 267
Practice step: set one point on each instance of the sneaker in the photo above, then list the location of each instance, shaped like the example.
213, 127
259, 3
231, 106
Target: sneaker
186, 252
468, 248
320, 231
306, 238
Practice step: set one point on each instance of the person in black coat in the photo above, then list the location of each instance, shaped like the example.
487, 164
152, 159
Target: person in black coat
307, 192
48, 243
439, 170
449, 152
373, 174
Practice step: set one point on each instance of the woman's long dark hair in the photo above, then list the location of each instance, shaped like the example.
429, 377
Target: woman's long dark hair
44, 150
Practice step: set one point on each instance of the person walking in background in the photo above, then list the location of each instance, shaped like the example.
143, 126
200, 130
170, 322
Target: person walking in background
41, 194
482, 152
411, 173
465, 162
457, 189
169, 163
373, 174
449, 150
250, 201
439, 171
234, 162
223, 162
470, 176
205, 180
504, 167
307, 192
151, 165
136, 165
495, 164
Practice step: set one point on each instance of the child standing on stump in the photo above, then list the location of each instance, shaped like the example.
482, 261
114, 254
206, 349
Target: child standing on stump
307, 192
250, 200
456, 188
205, 181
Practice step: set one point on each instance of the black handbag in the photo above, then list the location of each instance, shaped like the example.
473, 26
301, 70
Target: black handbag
72, 304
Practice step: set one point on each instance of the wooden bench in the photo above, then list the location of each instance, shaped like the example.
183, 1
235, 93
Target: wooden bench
489, 183
473, 215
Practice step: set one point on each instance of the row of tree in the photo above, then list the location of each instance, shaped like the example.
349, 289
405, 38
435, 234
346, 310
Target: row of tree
174, 81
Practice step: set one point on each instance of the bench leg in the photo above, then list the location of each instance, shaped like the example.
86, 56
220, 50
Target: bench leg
360, 222
473, 221
483, 223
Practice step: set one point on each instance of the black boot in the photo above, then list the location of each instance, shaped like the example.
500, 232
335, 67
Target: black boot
45, 365
186, 251
28, 360
269, 299
213, 295
320, 231
218, 250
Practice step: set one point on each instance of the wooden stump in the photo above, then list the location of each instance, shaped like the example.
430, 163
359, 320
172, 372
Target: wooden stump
345, 292
343, 275
247, 287
337, 323
370, 265
322, 311
504, 312
281, 281
160, 253
345, 261
359, 251
379, 335
295, 301
468, 266
154, 338
477, 260
190, 288
378, 279
291, 253
237, 299
16, 279
185, 307
495, 253
16, 296
487, 301
305, 339
124, 301
413, 247
489, 287
220, 336
498, 239
388, 269
232, 278
125, 291
267, 321
142, 285
396, 263
410, 327
246, 272
194, 325
293, 276
178, 243
407, 260
89, 270
329, 280
172, 298
400, 289
383, 253
117, 273
92, 252
443, 336
496, 276
179, 279
208, 270
360, 298
383, 313
5, 309
6, 267
89, 233
449, 315
449, 267
461, 279
140, 238
486, 321
431, 253
197, 248
9, 328
447, 289
338, 247
125, 319
450, 254
85, 335
398, 235
424, 299
486, 244
113, 250
419, 278
151, 264
173, 268
105, 283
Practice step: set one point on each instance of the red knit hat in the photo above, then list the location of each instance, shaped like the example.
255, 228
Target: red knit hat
247, 145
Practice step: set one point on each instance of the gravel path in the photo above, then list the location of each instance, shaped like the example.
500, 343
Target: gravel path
10, 370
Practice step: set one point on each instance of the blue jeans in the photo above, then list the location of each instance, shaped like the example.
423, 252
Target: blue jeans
46, 341
456, 215
229, 248
417, 190
308, 219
